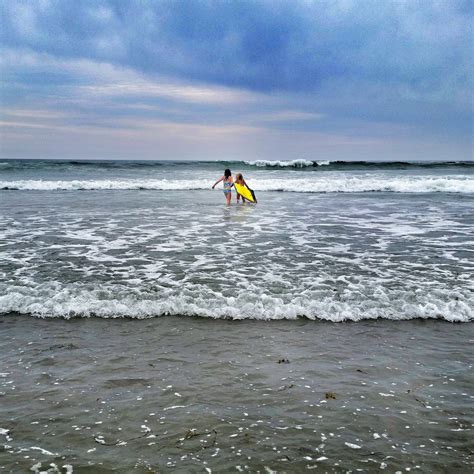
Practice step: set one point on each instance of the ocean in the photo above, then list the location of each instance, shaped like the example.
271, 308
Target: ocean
333, 241
146, 325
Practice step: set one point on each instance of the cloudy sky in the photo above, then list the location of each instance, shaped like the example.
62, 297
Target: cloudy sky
324, 79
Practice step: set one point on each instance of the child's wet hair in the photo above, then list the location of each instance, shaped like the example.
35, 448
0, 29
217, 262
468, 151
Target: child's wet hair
227, 173
239, 176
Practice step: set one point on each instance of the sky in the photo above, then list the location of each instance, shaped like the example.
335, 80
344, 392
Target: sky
217, 80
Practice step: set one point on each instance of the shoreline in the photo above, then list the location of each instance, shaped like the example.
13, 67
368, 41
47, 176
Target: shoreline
195, 394
421, 320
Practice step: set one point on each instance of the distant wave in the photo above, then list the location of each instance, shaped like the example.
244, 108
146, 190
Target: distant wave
287, 164
39, 165
355, 165
316, 165
311, 184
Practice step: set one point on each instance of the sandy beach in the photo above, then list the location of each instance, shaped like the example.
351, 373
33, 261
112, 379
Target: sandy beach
198, 395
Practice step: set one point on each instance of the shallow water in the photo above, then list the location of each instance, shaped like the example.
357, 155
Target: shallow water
105, 366
149, 253
328, 240
194, 394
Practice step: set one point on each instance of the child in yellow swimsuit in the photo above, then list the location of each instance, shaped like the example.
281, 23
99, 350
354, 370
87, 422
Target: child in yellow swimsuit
239, 179
228, 183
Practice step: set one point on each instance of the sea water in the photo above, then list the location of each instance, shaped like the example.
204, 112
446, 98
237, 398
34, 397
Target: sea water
335, 241
147, 326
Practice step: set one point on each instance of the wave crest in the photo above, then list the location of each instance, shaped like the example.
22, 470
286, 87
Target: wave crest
310, 184
286, 164
119, 301
340, 165
11, 165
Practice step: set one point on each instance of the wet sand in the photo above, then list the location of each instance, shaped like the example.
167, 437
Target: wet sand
190, 395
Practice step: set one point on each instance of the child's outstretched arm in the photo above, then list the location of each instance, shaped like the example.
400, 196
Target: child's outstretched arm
217, 182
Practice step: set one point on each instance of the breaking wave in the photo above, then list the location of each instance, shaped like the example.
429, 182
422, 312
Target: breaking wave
313, 184
121, 301
301, 164
287, 164
357, 165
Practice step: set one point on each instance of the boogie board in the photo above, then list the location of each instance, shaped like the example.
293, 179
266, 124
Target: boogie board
245, 192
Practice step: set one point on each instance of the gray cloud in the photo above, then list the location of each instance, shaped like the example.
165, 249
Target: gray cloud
263, 45
351, 68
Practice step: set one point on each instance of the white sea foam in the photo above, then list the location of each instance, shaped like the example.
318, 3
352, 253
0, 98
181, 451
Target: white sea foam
352, 445
114, 300
327, 257
104, 184
357, 184
310, 184
285, 164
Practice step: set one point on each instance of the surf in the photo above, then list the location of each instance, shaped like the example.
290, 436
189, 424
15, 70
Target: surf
313, 184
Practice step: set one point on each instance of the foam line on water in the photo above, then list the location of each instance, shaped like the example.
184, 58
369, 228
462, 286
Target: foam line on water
115, 300
287, 163
312, 184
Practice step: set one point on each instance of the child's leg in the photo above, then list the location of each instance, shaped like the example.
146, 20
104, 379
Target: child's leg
228, 196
